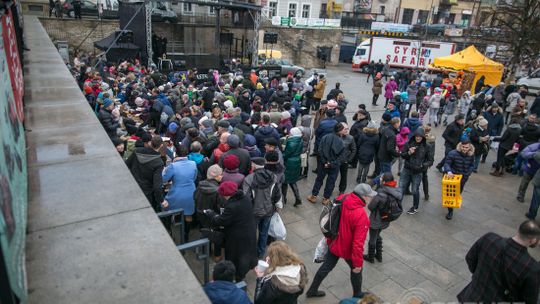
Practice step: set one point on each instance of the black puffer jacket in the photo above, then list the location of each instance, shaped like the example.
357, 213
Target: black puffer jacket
108, 123
530, 133
421, 159
459, 162
510, 136
280, 97
387, 145
331, 150
479, 148
452, 134
358, 127
284, 285
367, 145
146, 165
207, 197
384, 193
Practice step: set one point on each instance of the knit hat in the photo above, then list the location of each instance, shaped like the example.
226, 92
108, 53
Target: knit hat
295, 132
233, 141
88, 90
420, 132
259, 86
207, 123
231, 161
249, 140
172, 127
285, 115
364, 190
372, 125
228, 104
330, 113
139, 101
386, 117
228, 188
244, 116
107, 102
271, 141
184, 121
223, 124
332, 104
214, 171
258, 161
271, 157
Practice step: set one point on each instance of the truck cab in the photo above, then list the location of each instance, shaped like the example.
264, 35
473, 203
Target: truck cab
360, 58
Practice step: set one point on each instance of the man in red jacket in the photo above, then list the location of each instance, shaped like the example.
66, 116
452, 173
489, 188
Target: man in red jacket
349, 244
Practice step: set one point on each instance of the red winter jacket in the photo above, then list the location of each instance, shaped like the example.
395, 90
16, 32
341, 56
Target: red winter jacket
353, 229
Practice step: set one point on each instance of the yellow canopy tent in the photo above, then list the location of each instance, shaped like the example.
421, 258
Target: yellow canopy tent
470, 59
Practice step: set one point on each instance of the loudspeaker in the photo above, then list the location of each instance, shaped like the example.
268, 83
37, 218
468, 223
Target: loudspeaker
125, 37
226, 38
270, 38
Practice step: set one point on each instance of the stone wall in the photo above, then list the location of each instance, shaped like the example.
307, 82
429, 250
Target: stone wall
306, 56
191, 38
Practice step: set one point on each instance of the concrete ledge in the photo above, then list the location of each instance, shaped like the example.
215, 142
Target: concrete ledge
93, 237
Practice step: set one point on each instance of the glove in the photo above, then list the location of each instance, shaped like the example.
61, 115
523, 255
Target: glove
210, 213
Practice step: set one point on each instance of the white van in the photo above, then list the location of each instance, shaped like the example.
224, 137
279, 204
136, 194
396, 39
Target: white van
532, 81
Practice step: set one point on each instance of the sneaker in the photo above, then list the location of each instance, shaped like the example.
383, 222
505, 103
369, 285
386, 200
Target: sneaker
326, 201
412, 211
316, 294
312, 199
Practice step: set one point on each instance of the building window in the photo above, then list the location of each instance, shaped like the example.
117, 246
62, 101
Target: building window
422, 17
382, 9
292, 9
322, 13
187, 8
407, 16
306, 10
465, 20
451, 18
272, 8
212, 9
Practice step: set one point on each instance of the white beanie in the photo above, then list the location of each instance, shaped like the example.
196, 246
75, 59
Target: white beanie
295, 132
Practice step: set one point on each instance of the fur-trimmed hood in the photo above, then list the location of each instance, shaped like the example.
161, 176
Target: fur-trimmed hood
370, 131
471, 150
290, 279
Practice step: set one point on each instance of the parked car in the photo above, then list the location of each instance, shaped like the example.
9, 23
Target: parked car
89, 8
433, 29
286, 67
532, 82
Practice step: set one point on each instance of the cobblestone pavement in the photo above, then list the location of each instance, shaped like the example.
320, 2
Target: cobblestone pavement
424, 254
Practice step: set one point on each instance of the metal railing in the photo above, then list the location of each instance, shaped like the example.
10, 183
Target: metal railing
202, 252
176, 222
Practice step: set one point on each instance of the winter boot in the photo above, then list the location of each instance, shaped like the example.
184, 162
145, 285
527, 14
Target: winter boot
378, 250
370, 257
496, 173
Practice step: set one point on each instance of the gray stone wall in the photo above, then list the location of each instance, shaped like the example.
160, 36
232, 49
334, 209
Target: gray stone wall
306, 55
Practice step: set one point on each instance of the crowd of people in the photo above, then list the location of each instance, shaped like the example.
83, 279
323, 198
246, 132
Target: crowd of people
226, 147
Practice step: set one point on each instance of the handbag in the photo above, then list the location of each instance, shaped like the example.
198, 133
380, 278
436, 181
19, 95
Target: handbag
277, 229
303, 160
213, 235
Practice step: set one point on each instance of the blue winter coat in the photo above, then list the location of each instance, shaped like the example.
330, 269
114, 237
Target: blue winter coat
262, 133
412, 123
326, 126
495, 123
460, 163
183, 174
224, 292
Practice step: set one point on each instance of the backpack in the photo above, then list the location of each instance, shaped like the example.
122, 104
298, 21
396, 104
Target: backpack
391, 209
330, 217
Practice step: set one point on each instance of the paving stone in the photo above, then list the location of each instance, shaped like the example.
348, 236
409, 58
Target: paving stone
465, 237
388, 291
436, 273
403, 253
303, 229
444, 254
434, 292
402, 274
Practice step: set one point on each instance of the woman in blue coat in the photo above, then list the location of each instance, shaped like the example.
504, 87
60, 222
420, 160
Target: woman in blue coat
183, 173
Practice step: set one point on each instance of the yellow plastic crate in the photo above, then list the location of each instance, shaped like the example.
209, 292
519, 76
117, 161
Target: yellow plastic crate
451, 191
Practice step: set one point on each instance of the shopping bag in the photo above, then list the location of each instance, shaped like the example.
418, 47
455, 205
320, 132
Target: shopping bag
320, 251
277, 228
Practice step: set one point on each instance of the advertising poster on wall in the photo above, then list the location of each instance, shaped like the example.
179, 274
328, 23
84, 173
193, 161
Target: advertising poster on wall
13, 173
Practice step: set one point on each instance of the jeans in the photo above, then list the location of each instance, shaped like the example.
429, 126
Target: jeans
263, 224
518, 165
322, 172
329, 263
535, 202
375, 98
374, 235
343, 169
433, 119
406, 178
385, 167
425, 183
363, 170
476, 162
525, 180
